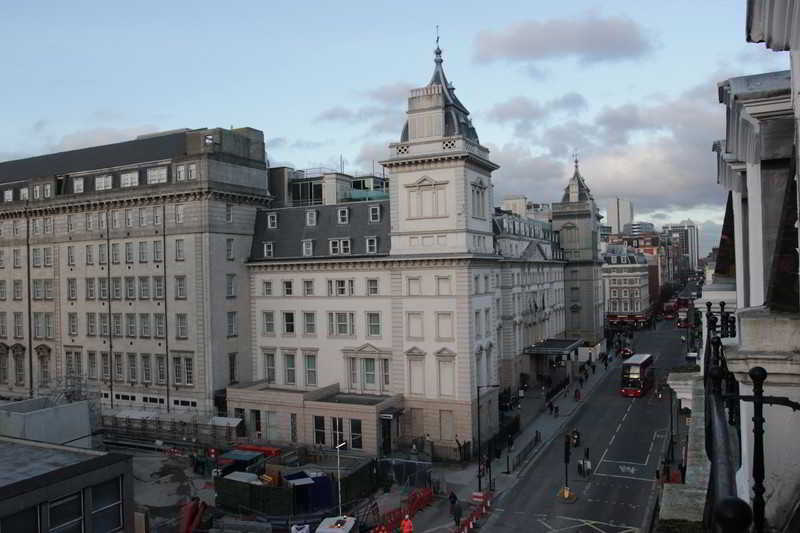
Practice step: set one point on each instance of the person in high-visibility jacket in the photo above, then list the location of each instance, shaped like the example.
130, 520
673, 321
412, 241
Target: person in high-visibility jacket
408, 527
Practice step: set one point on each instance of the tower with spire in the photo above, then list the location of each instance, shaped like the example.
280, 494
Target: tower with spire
441, 186
577, 219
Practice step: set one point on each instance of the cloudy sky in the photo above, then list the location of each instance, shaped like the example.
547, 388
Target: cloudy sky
630, 85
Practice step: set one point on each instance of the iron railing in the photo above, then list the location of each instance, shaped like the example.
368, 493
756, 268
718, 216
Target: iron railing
725, 511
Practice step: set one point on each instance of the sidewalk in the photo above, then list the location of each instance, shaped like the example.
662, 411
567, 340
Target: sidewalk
534, 416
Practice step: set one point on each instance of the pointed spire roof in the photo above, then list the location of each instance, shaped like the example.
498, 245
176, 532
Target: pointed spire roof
456, 116
577, 190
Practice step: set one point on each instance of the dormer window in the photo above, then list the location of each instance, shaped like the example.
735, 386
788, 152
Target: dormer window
343, 215
37, 192
311, 217
374, 213
129, 179
308, 248
372, 245
272, 220
102, 183
268, 249
8, 195
77, 185
48, 190
23, 193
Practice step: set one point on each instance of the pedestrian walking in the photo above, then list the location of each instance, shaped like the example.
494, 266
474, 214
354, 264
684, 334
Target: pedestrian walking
580, 382
453, 498
408, 526
456, 512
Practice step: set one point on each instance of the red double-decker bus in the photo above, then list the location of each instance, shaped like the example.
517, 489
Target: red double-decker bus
637, 375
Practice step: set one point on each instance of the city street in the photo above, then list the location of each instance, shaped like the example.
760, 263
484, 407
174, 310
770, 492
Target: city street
627, 439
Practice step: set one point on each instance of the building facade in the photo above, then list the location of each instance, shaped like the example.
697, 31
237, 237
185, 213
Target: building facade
620, 212
577, 220
689, 237
626, 287
416, 300
122, 268
638, 228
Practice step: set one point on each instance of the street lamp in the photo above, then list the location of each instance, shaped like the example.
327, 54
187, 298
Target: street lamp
339, 473
480, 455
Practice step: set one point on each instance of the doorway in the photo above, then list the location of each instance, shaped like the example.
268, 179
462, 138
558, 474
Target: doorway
386, 436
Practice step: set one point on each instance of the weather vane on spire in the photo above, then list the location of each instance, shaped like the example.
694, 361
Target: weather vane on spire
437, 36
575, 158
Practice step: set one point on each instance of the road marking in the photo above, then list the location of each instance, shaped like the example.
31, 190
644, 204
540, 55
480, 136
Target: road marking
626, 462
625, 469
545, 524
625, 477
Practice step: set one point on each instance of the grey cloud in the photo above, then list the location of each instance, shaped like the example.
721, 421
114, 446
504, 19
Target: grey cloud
524, 112
538, 177
616, 123
276, 142
391, 93
335, 114
39, 126
370, 153
589, 39
572, 101
306, 144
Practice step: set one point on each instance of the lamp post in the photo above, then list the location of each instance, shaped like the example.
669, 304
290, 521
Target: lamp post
339, 474
480, 455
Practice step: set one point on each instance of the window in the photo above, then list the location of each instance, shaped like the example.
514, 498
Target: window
369, 371
72, 288
3, 294
91, 324
23, 193
18, 289
107, 506
102, 254
18, 325
37, 192
157, 215
414, 286
181, 326
269, 249
16, 258
487, 323
228, 213
188, 368
48, 225
319, 430
115, 219
143, 252
116, 288
132, 367
48, 257
373, 324
156, 175
232, 367
374, 213
272, 220
91, 363
77, 185
158, 287
341, 287
180, 173
372, 245
287, 288
72, 324
158, 251
144, 288
266, 288
142, 216
356, 440
308, 287
128, 218
311, 369
116, 324
230, 285
89, 254
444, 326
337, 430
385, 371
414, 326
343, 215
129, 179
144, 325
3, 325
130, 324
48, 190
147, 375
129, 252
269, 367
311, 218
229, 249
443, 286
177, 371
161, 369
118, 369
8, 195
38, 289
102, 183
309, 323
36, 257
180, 287
66, 514
308, 247
288, 323
372, 287
179, 214
70, 256
191, 171
339, 246
341, 324
160, 325
267, 323
288, 363
103, 324
232, 323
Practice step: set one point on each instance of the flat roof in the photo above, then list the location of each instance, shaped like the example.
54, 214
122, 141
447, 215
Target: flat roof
30, 465
354, 399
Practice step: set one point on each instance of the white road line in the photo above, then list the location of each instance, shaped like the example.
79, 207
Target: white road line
625, 477
626, 462
545, 524
611, 441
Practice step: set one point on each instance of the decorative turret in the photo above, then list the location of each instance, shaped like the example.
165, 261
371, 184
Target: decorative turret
577, 190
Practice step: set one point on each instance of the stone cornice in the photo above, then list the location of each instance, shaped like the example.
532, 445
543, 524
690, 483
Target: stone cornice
367, 264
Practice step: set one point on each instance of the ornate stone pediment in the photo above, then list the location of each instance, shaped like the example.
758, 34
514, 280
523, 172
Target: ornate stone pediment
415, 352
445, 353
366, 349
43, 350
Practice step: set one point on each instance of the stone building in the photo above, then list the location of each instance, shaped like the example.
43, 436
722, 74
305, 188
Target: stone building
388, 316
122, 268
577, 220
626, 287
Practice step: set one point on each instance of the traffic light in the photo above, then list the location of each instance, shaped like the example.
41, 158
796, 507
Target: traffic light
567, 448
